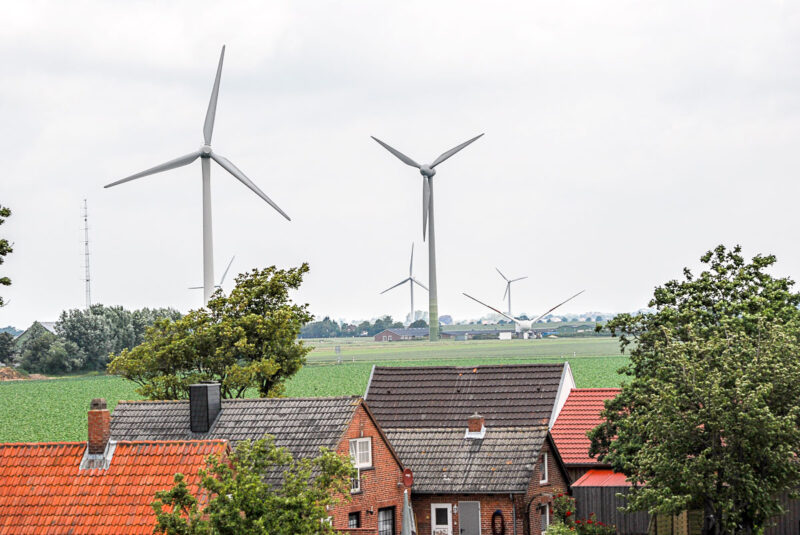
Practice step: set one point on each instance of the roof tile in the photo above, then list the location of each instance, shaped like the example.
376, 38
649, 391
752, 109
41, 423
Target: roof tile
580, 414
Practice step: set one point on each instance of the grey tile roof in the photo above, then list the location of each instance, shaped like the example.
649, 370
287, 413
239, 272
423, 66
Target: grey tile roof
445, 396
415, 331
301, 425
445, 462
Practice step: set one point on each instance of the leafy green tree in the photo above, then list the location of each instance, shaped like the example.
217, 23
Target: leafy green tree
6, 347
710, 417
326, 328
5, 248
245, 340
243, 500
44, 352
418, 323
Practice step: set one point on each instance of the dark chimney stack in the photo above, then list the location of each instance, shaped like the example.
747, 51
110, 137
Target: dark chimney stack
204, 406
99, 426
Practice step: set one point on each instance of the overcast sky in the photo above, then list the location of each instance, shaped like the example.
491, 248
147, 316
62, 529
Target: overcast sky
623, 140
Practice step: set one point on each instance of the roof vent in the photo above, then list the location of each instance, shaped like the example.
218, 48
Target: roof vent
204, 406
475, 427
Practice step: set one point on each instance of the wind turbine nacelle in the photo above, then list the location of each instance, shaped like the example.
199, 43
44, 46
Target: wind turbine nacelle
523, 326
205, 151
427, 171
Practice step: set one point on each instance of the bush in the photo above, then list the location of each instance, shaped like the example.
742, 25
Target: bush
558, 528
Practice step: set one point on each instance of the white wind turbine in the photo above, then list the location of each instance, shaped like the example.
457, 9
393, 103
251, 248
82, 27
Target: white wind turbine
411, 282
221, 279
206, 155
427, 171
525, 326
508, 287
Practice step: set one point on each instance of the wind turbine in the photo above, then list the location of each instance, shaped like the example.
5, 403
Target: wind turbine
206, 155
427, 171
525, 326
411, 282
221, 280
508, 287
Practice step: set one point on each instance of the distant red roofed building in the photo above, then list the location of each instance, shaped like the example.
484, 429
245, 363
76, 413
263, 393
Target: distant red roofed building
96, 487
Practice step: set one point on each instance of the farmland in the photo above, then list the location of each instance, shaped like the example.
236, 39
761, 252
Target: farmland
52, 410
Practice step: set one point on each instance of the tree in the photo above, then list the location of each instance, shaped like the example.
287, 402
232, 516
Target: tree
710, 418
326, 328
245, 340
5, 248
418, 323
259, 489
6, 347
44, 352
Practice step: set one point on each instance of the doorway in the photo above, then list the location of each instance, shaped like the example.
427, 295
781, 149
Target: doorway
469, 518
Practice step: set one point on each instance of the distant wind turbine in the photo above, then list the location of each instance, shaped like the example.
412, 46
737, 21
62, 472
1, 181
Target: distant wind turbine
427, 171
508, 287
525, 326
221, 280
411, 282
206, 155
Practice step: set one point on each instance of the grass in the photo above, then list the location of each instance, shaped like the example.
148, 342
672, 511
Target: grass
55, 410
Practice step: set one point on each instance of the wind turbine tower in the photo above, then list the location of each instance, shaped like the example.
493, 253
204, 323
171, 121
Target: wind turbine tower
508, 287
87, 276
411, 282
206, 155
428, 171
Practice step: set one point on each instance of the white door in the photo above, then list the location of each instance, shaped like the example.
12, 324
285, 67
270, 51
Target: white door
441, 519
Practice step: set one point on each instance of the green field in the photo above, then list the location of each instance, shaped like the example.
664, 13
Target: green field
55, 410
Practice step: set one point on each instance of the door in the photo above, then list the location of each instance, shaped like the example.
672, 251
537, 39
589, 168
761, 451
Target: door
386, 521
469, 518
441, 519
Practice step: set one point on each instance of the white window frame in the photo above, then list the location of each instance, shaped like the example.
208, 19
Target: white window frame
436, 529
544, 477
357, 517
355, 483
355, 457
545, 517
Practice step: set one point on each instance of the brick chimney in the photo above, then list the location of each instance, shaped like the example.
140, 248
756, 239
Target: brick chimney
204, 406
475, 426
99, 426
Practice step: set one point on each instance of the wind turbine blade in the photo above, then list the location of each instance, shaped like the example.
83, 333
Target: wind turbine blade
426, 203
172, 164
518, 279
396, 285
411, 265
492, 308
403, 158
208, 126
501, 274
558, 305
420, 284
235, 171
445, 155
226, 272
508, 285
195, 287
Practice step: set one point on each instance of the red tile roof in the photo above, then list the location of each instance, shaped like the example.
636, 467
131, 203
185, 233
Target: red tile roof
580, 413
602, 478
43, 489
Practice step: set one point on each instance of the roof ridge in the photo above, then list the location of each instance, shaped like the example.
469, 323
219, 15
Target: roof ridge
520, 365
173, 441
310, 398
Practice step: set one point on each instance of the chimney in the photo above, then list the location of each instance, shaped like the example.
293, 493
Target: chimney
475, 426
99, 426
204, 406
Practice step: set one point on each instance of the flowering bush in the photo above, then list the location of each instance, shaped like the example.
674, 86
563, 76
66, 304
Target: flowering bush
559, 528
591, 526
564, 509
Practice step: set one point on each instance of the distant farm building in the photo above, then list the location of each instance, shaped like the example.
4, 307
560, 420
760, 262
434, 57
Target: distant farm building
396, 335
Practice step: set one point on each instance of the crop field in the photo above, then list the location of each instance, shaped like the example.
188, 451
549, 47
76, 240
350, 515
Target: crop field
55, 409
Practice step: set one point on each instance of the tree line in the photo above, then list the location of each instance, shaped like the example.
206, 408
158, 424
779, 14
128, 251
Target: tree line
328, 328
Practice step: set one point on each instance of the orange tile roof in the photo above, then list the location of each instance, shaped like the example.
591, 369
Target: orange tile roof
43, 490
580, 413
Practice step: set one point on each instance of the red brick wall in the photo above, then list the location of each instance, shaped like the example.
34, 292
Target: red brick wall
378, 485
539, 494
489, 504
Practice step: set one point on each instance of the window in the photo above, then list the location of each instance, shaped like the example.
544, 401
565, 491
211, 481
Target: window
355, 483
386, 521
543, 476
545, 523
354, 520
361, 452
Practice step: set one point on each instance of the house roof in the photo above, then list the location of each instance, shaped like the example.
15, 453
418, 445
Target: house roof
445, 396
580, 414
602, 478
301, 425
42, 489
415, 331
445, 462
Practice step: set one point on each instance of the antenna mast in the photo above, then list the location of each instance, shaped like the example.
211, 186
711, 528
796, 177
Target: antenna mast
87, 276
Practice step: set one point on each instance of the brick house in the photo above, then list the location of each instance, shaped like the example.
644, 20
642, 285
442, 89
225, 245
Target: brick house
398, 334
95, 487
301, 425
478, 442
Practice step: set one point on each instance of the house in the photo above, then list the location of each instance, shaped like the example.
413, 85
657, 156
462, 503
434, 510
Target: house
94, 487
397, 334
301, 425
477, 441
49, 326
